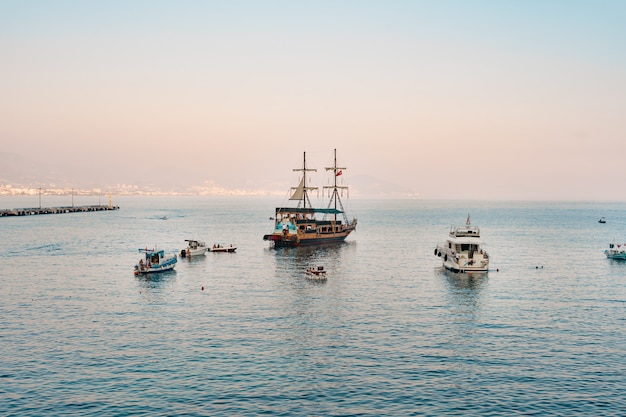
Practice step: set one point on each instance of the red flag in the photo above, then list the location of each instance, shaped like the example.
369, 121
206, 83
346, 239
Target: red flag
338, 173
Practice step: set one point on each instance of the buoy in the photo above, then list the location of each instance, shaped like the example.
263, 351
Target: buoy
203, 288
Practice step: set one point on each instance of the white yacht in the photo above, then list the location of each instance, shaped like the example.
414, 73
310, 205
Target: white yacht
463, 250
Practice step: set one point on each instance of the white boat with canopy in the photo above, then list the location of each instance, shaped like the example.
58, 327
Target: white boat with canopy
194, 248
463, 250
153, 261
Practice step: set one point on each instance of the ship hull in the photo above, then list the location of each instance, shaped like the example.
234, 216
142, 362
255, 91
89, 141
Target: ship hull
291, 241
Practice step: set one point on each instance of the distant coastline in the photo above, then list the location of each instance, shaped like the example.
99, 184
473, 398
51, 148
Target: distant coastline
128, 190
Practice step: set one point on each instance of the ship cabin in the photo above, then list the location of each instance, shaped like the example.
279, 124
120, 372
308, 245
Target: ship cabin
465, 239
304, 220
465, 231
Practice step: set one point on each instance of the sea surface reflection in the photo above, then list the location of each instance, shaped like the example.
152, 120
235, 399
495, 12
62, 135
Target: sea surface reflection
388, 333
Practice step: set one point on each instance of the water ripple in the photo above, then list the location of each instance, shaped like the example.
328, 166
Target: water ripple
389, 332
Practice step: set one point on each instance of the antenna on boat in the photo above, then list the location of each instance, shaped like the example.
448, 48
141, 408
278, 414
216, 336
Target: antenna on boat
468, 221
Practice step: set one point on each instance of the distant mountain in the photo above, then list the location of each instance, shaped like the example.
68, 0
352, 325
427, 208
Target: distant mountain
19, 170
23, 172
365, 186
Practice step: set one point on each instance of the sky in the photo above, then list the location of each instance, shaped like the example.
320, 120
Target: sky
504, 100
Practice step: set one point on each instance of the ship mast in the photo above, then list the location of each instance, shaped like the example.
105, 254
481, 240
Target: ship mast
301, 191
337, 171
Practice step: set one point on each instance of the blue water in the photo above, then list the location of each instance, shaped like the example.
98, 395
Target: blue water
389, 332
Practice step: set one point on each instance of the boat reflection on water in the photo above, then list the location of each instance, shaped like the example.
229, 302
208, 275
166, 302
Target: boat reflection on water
464, 295
464, 281
297, 260
155, 288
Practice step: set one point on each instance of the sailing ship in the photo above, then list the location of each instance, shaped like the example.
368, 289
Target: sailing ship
307, 225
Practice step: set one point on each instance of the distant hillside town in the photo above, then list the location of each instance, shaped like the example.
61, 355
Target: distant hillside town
124, 189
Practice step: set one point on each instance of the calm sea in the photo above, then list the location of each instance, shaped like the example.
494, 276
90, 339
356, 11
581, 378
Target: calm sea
389, 333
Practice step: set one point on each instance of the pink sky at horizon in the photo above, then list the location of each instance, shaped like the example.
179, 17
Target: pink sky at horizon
469, 100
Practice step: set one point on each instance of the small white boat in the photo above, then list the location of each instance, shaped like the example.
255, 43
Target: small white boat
194, 248
155, 260
616, 251
218, 247
463, 250
317, 274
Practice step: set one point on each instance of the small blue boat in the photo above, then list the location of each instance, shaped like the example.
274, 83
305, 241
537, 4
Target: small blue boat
155, 260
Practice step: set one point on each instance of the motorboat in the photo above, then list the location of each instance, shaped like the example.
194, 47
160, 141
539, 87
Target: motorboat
218, 247
463, 250
602, 220
155, 260
194, 248
616, 251
318, 273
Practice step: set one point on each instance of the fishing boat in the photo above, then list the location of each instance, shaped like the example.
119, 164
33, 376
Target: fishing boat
616, 251
318, 273
194, 248
463, 250
307, 225
155, 260
218, 247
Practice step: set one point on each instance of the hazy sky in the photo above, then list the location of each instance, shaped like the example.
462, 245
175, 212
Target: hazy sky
436, 99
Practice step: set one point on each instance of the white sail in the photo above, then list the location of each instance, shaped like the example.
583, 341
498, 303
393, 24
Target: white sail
298, 193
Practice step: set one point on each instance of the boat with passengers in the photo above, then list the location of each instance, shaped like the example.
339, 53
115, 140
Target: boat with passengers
616, 251
155, 260
307, 225
220, 247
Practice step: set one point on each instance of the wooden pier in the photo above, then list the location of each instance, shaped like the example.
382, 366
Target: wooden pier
54, 210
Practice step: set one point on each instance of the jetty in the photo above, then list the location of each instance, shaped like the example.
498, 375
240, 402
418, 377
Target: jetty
55, 210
